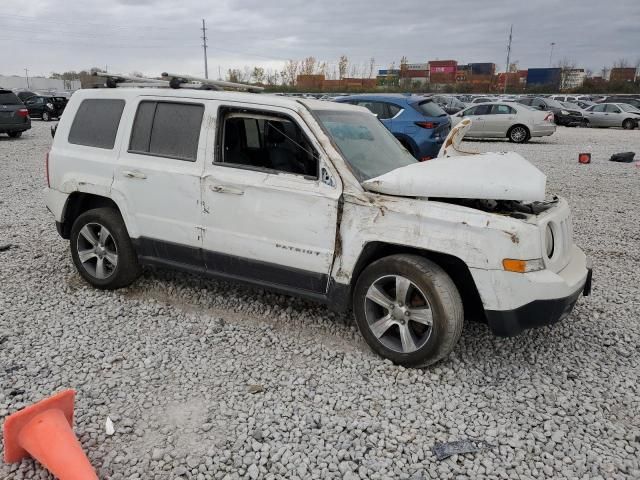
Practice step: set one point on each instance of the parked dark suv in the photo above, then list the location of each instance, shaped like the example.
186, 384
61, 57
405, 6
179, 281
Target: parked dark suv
45, 107
14, 117
561, 114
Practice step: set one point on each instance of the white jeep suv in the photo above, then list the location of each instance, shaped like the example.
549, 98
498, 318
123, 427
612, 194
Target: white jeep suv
315, 199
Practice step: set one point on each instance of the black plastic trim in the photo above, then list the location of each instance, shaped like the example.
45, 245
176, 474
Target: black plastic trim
539, 313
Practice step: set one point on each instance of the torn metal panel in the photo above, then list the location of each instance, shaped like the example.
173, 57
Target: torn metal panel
451, 144
486, 176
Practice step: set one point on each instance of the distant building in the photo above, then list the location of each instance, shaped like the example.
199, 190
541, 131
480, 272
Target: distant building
572, 78
413, 74
622, 75
12, 82
320, 83
388, 77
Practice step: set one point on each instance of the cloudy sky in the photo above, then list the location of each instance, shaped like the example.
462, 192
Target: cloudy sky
152, 36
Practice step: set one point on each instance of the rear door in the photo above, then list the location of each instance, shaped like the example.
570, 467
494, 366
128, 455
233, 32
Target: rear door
158, 176
498, 121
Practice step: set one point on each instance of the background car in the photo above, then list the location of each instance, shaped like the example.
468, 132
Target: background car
612, 115
45, 107
419, 123
14, 117
562, 115
516, 122
623, 99
448, 103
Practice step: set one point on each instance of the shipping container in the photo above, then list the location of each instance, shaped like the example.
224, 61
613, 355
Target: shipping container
483, 68
417, 66
544, 77
387, 71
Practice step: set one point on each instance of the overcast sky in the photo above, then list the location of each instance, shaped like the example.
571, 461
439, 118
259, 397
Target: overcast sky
163, 35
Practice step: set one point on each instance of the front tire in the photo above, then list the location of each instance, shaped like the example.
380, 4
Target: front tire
102, 250
408, 310
15, 134
46, 116
518, 134
628, 124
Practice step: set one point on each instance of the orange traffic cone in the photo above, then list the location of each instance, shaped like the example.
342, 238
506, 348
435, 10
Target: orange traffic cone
44, 431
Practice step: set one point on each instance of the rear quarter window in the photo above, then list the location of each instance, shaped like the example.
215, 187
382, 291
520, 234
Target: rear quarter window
96, 123
167, 129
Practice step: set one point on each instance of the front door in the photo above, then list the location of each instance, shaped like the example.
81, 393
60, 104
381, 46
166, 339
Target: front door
158, 177
268, 217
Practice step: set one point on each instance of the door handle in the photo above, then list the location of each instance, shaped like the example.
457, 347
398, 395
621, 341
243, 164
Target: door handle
134, 174
226, 189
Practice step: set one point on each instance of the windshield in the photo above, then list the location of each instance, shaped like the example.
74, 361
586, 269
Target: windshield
628, 108
431, 109
553, 103
369, 148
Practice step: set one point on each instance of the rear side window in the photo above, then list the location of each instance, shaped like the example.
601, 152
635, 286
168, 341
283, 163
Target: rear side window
430, 109
96, 123
167, 129
9, 98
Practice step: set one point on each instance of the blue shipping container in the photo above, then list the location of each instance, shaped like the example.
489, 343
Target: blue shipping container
544, 76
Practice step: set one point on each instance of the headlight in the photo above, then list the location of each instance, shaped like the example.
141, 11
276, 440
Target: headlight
50, 105
564, 112
549, 242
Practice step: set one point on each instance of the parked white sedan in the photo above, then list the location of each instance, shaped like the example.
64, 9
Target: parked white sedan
514, 121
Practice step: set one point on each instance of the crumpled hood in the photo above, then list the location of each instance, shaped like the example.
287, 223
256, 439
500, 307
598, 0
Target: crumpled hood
485, 176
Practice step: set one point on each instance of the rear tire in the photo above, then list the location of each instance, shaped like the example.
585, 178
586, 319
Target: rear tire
519, 134
628, 124
408, 310
15, 134
102, 250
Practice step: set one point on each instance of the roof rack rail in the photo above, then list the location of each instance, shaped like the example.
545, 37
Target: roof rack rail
173, 80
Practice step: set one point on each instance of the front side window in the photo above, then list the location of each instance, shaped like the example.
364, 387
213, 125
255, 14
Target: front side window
612, 109
483, 110
96, 123
167, 129
598, 108
366, 145
266, 141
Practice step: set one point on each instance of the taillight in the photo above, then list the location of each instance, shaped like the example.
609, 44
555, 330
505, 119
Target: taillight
23, 112
549, 117
427, 124
424, 159
46, 166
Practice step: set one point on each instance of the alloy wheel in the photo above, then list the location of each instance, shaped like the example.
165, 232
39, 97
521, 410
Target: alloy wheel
398, 313
518, 134
97, 250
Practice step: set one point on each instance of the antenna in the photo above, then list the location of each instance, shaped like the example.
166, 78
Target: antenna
506, 70
204, 46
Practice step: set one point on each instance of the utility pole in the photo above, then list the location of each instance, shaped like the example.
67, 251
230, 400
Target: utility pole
26, 75
204, 46
553, 44
506, 70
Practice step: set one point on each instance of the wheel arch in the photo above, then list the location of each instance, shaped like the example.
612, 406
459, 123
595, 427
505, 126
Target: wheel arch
407, 142
519, 125
456, 268
79, 202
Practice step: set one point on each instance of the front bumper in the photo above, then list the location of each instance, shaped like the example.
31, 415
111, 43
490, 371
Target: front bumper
509, 323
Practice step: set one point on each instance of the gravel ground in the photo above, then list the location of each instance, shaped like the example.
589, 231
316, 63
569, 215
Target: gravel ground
204, 379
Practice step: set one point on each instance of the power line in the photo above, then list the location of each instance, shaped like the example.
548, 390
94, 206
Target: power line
204, 46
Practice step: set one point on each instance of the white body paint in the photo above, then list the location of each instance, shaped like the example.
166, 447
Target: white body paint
321, 225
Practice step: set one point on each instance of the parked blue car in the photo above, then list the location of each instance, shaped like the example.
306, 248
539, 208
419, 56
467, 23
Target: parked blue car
419, 123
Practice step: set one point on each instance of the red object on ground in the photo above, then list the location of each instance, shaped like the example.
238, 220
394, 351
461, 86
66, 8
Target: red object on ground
584, 158
44, 431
